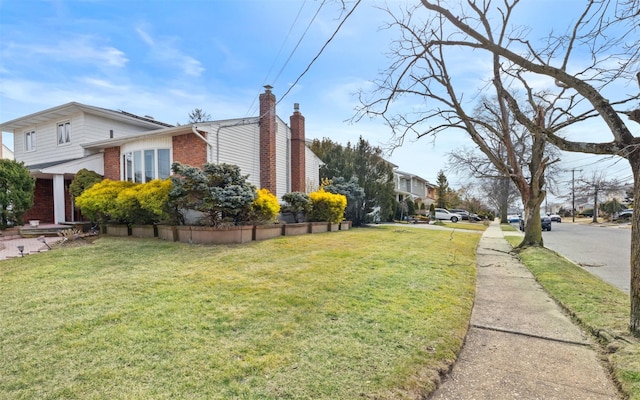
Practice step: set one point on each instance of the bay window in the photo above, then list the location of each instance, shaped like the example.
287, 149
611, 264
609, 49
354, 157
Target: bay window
145, 165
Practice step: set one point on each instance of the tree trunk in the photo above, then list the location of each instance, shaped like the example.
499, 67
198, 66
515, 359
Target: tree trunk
595, 205
532, 222
504, 200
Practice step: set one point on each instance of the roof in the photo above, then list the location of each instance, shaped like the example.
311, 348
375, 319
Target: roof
102, 144
68, 167
209, 127
411, 176
63, 111
38, 167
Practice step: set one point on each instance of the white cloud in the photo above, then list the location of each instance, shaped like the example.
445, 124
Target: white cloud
103, 84
191, 66
145, 36
166, 51
83, 49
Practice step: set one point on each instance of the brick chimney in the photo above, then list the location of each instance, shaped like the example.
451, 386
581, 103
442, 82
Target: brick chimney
268, 128
298, 170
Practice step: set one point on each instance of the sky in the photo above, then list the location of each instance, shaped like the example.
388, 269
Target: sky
165, 58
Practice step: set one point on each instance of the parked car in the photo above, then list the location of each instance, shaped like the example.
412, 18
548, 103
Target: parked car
546, 223
625, 214
555, 218
512, 219
446, 215
466, 215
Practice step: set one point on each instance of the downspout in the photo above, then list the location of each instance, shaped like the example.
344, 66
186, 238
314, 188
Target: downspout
209, 151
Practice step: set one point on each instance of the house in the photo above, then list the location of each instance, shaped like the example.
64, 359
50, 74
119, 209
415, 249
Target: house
6, 152
412, 187
56, 143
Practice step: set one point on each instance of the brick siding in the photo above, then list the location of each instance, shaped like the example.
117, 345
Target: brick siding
112, 163
190, 150
298, 166
42, 202
268, 140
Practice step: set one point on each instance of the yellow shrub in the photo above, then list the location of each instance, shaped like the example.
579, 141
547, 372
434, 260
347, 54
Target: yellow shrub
126, 202
327, 206
153, 197
99, 201
265, 207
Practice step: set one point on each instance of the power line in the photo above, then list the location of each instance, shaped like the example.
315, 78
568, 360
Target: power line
299, 41
320, 52
264, 82
287, 38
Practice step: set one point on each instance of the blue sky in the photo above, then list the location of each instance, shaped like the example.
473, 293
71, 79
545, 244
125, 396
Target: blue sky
165, 58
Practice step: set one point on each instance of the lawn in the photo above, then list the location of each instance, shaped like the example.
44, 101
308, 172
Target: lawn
470, 226
599, 307
365, 313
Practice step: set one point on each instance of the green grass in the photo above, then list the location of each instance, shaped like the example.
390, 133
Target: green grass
366, 313
470, 226
508, 228
599, 307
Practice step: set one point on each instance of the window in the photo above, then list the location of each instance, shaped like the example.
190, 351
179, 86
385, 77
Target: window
64, 132
137, 167
128, 167
145, 165
149, 165
30, 141
164, 163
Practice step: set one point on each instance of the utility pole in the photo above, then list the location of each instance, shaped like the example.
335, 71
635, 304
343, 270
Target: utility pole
573, 193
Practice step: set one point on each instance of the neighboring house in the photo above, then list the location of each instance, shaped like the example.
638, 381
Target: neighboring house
412, 187
6, 153
56, 143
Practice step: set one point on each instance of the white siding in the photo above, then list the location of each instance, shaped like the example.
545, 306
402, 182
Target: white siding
162, 142
238, 145
283, 152
85, 128
97, 128
7, 153
46, 143
312, 170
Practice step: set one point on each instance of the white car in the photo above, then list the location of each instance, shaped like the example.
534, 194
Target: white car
446, 215
555, 218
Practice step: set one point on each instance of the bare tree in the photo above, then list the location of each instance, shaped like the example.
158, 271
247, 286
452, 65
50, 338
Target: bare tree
422, 69
605, 30
597, 186
482, 167
499, 190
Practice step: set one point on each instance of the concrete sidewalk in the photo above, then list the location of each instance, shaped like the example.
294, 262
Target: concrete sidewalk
520, 344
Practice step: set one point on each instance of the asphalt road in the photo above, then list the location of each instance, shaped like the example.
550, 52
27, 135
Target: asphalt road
604, 251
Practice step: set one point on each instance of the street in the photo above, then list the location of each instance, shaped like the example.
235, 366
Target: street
604, 251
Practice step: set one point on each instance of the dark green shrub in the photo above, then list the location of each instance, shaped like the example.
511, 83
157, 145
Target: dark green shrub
297, 203
16, 192
219, 191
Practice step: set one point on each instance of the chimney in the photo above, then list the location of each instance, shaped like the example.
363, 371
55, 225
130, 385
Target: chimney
298, 148
268, 140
